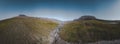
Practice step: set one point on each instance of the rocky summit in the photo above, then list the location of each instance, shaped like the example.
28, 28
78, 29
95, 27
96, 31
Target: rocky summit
87, 17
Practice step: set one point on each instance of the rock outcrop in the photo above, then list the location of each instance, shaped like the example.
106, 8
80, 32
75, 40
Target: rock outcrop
86, 17
22, 15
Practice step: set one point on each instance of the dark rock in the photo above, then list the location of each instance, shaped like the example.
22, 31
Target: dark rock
22, 15
87, 17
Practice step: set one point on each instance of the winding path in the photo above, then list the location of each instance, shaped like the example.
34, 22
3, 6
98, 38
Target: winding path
54, 35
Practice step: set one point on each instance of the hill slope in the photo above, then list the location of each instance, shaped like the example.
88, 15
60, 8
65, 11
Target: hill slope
90, 30
26, 30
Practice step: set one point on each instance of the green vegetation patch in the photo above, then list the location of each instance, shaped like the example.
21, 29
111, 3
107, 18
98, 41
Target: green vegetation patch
26, 30
89, 31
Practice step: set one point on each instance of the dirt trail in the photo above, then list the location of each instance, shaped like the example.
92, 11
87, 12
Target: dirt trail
55, 33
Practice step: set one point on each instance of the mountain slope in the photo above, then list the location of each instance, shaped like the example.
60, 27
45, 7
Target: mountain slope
90, 30
26, 30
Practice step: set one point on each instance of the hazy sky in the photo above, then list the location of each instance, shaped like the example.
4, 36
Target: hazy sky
61, 9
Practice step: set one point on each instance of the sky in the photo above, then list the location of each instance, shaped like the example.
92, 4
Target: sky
61, 9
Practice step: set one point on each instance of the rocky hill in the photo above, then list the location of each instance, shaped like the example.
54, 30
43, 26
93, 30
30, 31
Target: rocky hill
90, 30
86, 17
23, 29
